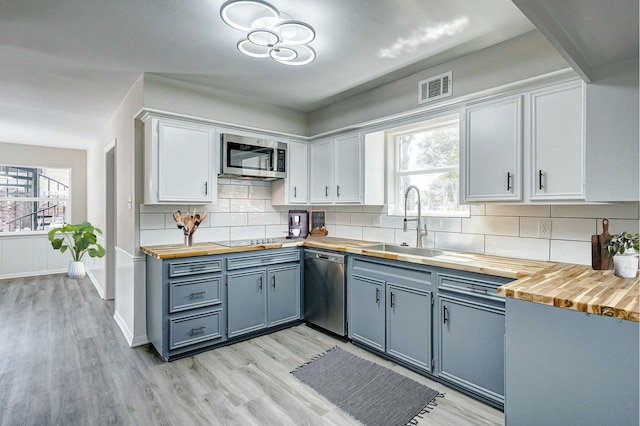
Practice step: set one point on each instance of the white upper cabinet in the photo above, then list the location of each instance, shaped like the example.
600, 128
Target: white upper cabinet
294, 189
348, 169
492, 151
526, 148
557, 143
321, 160
179, 161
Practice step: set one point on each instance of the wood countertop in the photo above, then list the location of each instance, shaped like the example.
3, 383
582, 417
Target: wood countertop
580, 288
471, 262
569, 286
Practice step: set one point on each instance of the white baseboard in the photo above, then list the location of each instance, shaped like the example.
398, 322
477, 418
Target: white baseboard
96, 284
33, 274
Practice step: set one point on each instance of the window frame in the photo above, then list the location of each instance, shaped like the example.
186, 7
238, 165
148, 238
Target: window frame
67, 200
394, 175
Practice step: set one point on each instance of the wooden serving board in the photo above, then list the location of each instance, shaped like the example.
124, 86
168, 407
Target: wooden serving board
599, 258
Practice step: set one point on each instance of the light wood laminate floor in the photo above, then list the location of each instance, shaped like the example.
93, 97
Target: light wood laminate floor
63, 361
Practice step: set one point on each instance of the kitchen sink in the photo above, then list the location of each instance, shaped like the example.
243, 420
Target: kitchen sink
415, 251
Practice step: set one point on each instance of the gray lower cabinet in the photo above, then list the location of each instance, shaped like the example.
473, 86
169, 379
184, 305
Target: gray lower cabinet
247, 301
571, 368
265, 296
471, 329
185, 304
390, 310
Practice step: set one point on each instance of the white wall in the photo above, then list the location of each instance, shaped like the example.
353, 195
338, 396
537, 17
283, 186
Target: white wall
523, 57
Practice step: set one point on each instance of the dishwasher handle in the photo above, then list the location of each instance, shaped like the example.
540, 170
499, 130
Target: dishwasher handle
324, 256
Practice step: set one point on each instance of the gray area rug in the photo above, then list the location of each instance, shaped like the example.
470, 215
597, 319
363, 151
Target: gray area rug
369, 392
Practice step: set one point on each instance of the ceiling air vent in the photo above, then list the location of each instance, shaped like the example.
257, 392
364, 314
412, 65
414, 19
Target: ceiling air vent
434, 88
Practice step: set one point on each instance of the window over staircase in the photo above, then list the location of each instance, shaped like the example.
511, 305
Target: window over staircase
33, 198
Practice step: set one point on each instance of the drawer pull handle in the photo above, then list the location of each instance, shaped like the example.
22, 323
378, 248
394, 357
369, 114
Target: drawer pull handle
477, 289
509, 176
338, 190
197, 268
326, 191
377, 295
198, 329
260, 283
295, 192
273, 280
198, 294
392, 300
444, 314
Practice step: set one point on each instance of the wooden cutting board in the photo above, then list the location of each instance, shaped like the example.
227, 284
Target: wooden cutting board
599, 257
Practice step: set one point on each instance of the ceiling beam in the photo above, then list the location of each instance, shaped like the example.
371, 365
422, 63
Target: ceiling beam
542, 18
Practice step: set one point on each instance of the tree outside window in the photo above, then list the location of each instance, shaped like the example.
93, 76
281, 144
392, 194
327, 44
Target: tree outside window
428, 156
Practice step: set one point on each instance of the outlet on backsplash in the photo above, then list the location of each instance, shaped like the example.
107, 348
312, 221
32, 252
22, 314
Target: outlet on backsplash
544, 228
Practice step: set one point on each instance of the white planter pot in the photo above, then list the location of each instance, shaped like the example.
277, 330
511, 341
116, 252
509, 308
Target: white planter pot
76, 270
625, 266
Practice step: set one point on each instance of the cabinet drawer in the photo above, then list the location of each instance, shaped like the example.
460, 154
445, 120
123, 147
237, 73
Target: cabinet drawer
262, 259
190, 294
195, 328
204, 266
472, 286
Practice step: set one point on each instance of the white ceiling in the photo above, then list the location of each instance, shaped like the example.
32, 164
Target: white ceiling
65, 65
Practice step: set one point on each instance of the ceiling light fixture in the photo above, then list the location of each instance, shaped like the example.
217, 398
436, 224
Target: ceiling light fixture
270, 33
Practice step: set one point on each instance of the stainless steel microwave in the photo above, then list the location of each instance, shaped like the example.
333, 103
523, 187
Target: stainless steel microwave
248, 157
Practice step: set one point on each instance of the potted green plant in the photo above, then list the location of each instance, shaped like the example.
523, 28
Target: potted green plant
79, 239
624, 248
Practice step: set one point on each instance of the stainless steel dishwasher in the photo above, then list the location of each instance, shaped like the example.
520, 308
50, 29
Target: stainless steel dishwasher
325, 294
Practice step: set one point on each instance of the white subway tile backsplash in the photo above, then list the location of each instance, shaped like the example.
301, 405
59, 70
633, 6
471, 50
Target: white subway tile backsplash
571, 252
526, 248
352, 232
391, 221
459, 242
152, 237
152, 221
233, 191
162, 208
228, 219
611, 211
221, 206
212, 234
245, 206
247, 232
276, 231
477, 209
335, 218
374, 209
518, 210
491, 225
348, 209
365, 219
378, 234
263, 219
259, 192
573, 229
444, 224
